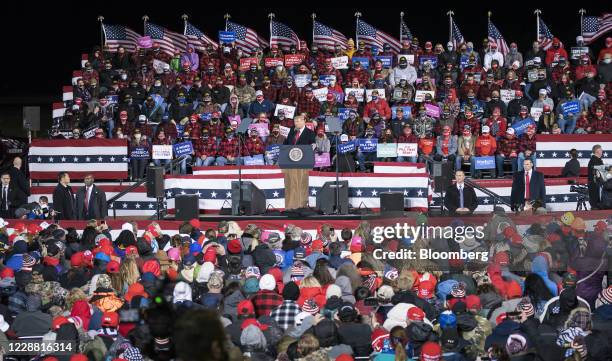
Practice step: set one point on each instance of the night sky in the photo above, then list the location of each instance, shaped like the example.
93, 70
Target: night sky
60, 34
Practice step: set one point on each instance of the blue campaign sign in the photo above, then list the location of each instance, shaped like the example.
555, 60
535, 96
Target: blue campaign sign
273, 150
365, 62
386, 60
205, 116
140, 153
227, 36
343, 113
521, 127
346, 147
485, 162
572, 107
368, 145
464, 61
256, 159
325, 79
432, 59
406, 109
184, 148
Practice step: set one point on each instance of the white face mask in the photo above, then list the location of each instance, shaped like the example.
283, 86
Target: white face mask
137, 136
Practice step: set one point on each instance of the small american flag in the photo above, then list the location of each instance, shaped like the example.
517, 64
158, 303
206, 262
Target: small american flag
282, 35
496, 37
169, 41
326, 37
374, 37
594, 26
197, 38
246, 38
119, 35
546, 36
456, 35
405, 33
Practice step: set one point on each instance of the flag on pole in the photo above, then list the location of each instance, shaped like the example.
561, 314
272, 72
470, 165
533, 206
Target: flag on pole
496, 37
198, 39
374, 37
405, 33
282, 36
594, 26
169, 41
246, 38
119, 35
545, 37
456, 35
326, 37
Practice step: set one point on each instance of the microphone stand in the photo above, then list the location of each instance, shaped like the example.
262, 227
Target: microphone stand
336, 192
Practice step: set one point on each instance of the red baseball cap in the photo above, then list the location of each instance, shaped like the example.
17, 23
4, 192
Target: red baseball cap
234, 246
110, 319
251, 321
431, 351
7, 273
416, 314
245, 307
472, 302
112, 267
131, 250
425, 289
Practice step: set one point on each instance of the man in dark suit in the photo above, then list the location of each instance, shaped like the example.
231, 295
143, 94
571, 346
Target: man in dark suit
10, 197
19, 180
299, 134
63, 198
527, 187
460, 199
91, 201
594, 187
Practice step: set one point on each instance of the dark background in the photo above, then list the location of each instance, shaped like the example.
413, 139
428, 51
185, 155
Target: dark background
43, 43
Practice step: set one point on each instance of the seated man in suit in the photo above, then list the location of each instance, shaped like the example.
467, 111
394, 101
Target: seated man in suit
460, 198
527, 187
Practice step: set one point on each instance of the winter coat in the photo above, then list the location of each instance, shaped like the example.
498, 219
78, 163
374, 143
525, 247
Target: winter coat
501, 332
409, 73
540, 267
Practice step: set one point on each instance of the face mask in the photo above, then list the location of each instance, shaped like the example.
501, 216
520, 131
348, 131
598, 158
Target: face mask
123, 76
374, 98
513, 50
137, 136
158, 84
495, 98
352, 116
607, 60
469, 49
470, 97
403, 65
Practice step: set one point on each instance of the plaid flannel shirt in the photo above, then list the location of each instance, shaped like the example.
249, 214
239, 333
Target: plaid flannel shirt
265, 301
526, 143
311, 107
206, 147
507, 146
285, 314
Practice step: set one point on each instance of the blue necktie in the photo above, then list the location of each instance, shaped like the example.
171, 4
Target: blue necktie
460, 197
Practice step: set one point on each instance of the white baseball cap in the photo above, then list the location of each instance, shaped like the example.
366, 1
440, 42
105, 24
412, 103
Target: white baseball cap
486, 129
258, 93
510, 130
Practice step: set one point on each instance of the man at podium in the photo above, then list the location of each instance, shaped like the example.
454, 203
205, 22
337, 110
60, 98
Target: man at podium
299, 134
296, 179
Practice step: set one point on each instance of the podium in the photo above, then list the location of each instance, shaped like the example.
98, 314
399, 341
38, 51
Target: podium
296, 161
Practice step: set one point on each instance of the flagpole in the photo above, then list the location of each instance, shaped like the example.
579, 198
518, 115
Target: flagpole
401, 22
101, 19
537, 12
227, 17
357, 15
581, 12
450, 14
184, 17
271, 16
313, 16
145, 19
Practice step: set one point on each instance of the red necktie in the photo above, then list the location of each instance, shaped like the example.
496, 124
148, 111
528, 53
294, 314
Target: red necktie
297, 136
527, 193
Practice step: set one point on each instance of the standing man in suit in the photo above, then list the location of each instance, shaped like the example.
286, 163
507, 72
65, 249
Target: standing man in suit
527, 187
19, 180
296, 180
9, 197
460, 199
299, 134
63, 198
90, 201
594, 186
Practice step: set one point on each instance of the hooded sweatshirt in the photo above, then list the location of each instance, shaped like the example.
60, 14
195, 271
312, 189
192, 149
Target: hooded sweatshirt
540, 267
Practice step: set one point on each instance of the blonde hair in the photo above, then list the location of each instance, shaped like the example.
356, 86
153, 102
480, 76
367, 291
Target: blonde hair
75, 294
117, 282
310, 281
307, 344
129, 272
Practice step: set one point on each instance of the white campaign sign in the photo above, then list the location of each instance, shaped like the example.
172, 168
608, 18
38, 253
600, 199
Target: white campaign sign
320, 94
284, 131
407, 149
420, 95
536, 112
161, 151
506, 95
288, 110
410, 58
340, 62
381, 94
358, 93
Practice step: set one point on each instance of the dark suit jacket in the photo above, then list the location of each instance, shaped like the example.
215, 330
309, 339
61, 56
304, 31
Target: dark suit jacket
537, 188
307, 137
63, 202
97, 204
451, 198
14, 201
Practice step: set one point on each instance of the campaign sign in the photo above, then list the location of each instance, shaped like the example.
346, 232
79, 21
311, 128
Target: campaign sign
288, 110
420, 95
293, 59
340, 62
381, 94
322, 160
432, 110
536, 112
162, 151
406, 110
484, 162
386, 150
140, 153
112, 99
325, 79
521, 127
347, 147
90, 133
407, 149
158, 66
272, 151
358, 92
184, 148
368, 145
578, 51
409, 58
432, 59
301, 80
145, 42
205, 116
227, 37
284, 131
245, 63
273, 62
234, 118
257, 159
572, 107
262, 129
320, 94
365, 62
385, 59
506, 95
343, 113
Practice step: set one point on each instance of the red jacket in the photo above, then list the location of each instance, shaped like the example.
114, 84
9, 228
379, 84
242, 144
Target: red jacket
381, 106
314, 293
